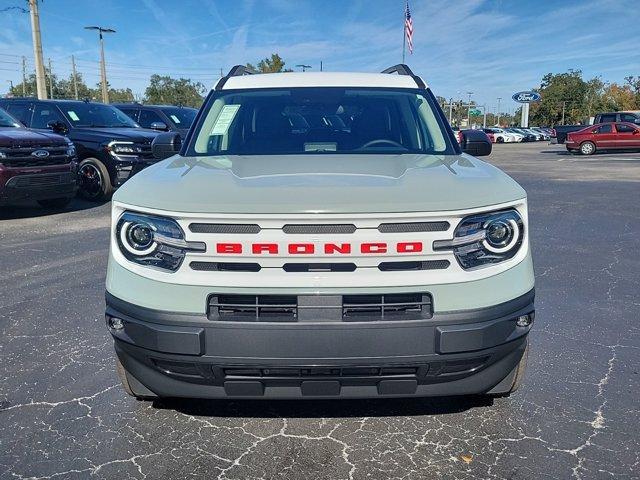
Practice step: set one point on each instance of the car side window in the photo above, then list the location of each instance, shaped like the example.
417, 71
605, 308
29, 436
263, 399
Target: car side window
147, 117
627, 117
43, 114
605, 129
622, 128
132, 113
22, 111
607, 118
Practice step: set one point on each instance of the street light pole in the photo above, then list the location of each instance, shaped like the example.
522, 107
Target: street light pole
498, 112
469, 110
103, 68
41, 86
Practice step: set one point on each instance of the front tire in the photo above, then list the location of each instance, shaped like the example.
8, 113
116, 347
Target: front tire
500, 140
94, 181
587, 148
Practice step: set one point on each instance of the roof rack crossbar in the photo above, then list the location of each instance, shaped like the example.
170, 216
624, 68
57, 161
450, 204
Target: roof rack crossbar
236, 71
402, 69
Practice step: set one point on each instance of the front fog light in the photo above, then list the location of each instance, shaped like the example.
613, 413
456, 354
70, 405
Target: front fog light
115, 323
525, 320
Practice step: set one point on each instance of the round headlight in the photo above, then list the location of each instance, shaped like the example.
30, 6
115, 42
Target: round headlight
501, 235
140, 236
137, 238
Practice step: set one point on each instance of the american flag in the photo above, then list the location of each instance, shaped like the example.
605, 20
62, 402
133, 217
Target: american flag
408, 28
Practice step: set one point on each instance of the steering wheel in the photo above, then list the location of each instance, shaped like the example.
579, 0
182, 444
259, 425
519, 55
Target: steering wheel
383, 140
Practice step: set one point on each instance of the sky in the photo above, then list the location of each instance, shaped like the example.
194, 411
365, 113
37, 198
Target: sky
491, 48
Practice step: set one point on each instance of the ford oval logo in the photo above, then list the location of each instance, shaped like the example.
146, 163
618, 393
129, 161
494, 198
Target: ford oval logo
40, 153
526, 97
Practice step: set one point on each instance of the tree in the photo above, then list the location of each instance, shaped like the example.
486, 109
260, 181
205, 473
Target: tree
163, 89
563, 92
275, 64
619, 97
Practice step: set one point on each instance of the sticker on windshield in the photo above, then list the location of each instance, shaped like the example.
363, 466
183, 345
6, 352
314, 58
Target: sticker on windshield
227, 114
175, 119
73, 116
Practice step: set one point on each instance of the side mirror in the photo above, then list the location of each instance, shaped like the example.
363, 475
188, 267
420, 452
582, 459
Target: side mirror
476, 143
57, 126
159, 126
166, 144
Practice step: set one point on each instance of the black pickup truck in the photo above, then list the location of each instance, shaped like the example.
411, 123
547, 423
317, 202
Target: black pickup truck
608, 117
559, 134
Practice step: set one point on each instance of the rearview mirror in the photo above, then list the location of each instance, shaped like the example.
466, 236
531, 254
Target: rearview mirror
476, 143
166, 144
159, 126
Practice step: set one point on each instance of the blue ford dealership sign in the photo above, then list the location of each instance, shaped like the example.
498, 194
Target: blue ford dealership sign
526, 97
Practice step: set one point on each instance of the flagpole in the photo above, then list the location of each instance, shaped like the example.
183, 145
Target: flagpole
404, 33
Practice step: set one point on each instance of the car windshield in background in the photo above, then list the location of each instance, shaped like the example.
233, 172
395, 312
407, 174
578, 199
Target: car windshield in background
96, 115
182, 117
7, 120
320, 120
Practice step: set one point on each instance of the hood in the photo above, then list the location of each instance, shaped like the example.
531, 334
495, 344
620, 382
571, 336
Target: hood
319, 184
22, 137
138, 135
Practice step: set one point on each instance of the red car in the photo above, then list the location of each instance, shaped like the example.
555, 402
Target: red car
604, 136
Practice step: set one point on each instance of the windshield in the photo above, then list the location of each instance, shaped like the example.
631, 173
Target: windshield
7, 120
182, 117
95, 115
321, 120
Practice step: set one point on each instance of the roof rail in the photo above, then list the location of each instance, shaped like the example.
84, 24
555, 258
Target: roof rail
402, 69
237, 71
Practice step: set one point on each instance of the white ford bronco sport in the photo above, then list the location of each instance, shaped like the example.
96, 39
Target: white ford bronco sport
320, 235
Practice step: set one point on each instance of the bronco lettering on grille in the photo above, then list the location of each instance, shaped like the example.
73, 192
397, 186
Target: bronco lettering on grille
372, 248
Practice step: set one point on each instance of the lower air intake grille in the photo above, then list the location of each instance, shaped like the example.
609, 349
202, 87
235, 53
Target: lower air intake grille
386, 307
246, 308
322, 308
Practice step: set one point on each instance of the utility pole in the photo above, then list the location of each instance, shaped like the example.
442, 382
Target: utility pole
37, 50
103, 68
50, 80
24, 76
75, 76
469, 110
450, 110
321, 65
498, 112
484, 116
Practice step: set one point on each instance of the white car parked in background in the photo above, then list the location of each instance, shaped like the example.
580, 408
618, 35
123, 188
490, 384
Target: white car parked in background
502, 136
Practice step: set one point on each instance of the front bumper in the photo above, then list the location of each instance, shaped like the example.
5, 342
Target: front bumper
453, 353
126, 168
52, 183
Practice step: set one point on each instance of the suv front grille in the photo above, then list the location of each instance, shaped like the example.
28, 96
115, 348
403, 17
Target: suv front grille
21, 156
322, 308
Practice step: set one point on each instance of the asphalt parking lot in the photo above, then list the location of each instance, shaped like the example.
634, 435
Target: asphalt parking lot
63, 414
